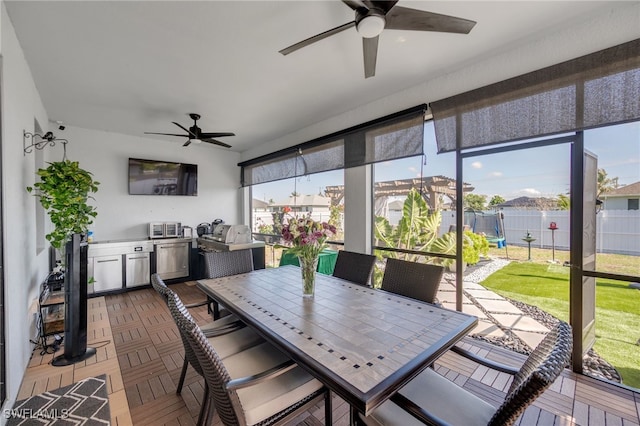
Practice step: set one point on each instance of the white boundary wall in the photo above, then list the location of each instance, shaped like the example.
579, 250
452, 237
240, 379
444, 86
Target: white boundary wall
618, 231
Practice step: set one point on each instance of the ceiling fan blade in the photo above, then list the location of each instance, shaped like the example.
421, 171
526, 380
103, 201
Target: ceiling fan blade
185, 129
403, 18
216, 142
355, 4
316, 38
187, 143
370, 50
165, 134
385, 6
215, 135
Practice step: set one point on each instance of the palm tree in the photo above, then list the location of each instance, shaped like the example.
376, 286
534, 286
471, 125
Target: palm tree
495, 200
564, 202
605, 184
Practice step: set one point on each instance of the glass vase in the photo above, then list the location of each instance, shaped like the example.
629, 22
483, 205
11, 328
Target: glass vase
308, 266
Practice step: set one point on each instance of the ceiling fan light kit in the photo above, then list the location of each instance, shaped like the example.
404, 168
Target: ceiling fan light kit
371, 26
372, 17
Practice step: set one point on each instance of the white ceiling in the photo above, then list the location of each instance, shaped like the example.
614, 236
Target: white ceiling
136, 66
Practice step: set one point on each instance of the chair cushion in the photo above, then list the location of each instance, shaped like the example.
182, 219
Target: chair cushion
226, 320
271, 396
438, 396
234, 342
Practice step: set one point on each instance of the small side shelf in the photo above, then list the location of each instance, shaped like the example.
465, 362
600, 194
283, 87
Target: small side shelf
51, 321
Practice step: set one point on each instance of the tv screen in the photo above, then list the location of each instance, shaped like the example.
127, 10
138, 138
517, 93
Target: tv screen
151, 177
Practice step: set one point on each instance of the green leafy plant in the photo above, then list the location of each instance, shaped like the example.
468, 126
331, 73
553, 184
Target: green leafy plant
473, 246
418, 230
477, 246
64, 191
475, 202
335, 213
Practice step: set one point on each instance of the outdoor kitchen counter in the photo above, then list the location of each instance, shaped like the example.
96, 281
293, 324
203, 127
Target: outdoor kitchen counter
213, 245
142, 240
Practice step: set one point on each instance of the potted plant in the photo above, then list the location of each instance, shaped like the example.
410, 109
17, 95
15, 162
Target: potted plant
307, 238
64, 191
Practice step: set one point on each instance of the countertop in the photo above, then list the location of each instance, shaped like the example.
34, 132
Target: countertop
130, 245
207, 243
142, 240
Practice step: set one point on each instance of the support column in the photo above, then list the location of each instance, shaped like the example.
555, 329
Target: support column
358, 205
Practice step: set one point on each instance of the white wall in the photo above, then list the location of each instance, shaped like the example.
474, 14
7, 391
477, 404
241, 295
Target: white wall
24, 266
617, 203
121, 215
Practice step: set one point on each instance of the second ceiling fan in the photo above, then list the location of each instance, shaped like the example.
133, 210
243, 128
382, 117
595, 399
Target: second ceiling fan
372, 17
195, 133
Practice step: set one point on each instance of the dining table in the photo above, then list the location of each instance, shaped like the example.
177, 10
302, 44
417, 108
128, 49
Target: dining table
364, 344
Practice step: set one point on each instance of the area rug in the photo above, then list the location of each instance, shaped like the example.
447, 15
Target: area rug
83, 403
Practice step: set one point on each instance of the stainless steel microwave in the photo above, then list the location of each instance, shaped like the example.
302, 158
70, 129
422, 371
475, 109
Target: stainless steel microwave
165, 230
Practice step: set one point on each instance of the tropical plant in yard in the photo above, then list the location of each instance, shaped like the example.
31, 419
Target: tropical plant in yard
496, 199
605, 183
475, 202
335, 219
418, 230
564, 202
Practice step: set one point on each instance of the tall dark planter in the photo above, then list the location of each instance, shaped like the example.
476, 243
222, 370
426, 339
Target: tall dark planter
75, 300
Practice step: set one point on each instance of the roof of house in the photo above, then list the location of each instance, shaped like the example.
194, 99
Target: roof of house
632, 189
259, 204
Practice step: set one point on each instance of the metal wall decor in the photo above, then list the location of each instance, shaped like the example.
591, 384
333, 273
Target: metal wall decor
39, 142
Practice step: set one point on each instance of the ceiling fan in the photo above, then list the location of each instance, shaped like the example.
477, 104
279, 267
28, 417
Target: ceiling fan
195, 133
372, 17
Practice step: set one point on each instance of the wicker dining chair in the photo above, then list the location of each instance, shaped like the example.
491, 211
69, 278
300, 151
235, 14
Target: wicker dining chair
259, 386
213, 327
231, 335
435, 400
411, 279
228, 342
223, 264
354, 267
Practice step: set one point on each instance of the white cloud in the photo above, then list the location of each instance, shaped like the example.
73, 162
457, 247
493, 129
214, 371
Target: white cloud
495, 174
529, 191
476, 165
413, 170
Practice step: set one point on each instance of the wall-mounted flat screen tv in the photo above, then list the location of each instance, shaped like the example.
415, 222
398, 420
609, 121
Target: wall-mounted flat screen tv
152, 177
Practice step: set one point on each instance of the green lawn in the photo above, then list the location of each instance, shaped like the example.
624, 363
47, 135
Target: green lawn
617, 309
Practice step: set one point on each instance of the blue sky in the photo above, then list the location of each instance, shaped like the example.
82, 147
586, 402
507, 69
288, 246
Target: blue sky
540, 172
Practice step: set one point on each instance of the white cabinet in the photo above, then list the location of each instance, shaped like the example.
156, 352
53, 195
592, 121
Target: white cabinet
106, 272
172, 259
116, 264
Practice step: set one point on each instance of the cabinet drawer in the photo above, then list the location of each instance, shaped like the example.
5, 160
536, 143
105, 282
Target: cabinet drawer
137, 269
172, 260
107, 273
